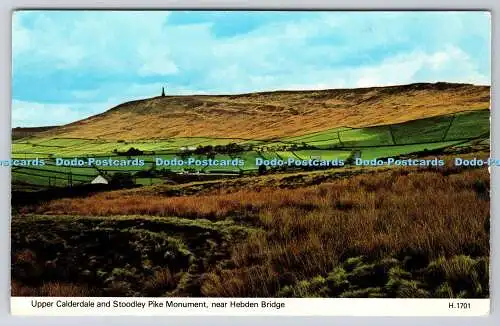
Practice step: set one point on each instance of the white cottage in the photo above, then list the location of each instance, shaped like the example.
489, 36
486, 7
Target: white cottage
100, 180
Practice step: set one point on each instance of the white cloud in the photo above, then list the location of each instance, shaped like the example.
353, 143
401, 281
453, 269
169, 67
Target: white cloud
137, 53
31, 114
157, 65
34, 114
438, 59
450, 64
20, 37
115, 41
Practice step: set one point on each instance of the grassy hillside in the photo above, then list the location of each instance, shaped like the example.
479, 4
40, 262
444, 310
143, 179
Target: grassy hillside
275, 114
382, 141
384, 233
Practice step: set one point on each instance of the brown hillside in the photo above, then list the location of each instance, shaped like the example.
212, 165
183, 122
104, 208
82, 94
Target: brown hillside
18, 133
276, 114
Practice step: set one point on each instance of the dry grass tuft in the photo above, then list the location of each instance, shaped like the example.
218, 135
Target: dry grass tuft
52, 289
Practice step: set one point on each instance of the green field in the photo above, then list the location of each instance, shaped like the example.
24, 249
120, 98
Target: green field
470, 123
460, 129
388, 151
327, 137
374, 136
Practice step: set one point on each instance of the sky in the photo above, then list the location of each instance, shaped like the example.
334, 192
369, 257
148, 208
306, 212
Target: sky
69, 65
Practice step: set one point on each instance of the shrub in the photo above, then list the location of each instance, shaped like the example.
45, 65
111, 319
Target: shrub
161, 282
52, 289
122, 179
459, 276
444, 291
351, 263
372, 292
314, 288
462, 275
337, 281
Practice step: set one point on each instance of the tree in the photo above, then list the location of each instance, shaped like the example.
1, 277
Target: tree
122, 179
133, 151
352, 157
163, 91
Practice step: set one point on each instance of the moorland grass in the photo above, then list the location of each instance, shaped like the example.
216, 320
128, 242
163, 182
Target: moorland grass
428, 221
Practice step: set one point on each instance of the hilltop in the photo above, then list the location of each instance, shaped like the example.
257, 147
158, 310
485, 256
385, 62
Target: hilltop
19, 132
275, 114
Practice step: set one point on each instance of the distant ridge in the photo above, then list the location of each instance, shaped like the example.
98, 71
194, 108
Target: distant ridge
21, 132
275, 113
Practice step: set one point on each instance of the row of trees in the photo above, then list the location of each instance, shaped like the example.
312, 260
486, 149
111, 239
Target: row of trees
130, 152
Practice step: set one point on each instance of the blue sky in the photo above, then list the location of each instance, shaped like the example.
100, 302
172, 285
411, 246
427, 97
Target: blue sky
68, 65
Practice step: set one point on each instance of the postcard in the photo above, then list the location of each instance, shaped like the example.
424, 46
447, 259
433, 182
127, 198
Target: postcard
250, 162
